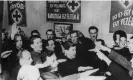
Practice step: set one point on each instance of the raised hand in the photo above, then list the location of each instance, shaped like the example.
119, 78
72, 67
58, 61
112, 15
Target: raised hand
5, 54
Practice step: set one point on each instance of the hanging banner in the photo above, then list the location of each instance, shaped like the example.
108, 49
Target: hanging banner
121, 17
17, 13
64, 10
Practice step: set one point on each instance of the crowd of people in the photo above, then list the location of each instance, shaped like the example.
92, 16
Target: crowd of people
75, 58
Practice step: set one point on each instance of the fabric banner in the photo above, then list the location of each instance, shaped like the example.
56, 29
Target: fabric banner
17, 12
121, 17
64, 10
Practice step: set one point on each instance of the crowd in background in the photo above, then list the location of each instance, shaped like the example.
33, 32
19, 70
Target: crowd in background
74, 56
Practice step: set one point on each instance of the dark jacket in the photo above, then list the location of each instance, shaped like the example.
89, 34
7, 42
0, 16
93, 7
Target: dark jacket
69, 67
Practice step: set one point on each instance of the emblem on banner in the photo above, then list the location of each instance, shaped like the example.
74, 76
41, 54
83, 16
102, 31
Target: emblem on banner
126, 3
73, 5
16, 16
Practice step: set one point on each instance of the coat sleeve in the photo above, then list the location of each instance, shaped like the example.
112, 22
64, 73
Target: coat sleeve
120, 60
119, 72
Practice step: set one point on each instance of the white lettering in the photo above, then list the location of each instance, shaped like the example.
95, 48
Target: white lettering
116, 23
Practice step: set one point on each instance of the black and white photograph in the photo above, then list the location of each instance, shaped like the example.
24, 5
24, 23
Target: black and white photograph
66, 40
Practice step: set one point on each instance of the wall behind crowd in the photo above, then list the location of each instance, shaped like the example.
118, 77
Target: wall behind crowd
93, 13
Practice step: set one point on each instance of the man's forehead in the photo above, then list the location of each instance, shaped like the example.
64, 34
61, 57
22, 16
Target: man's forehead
74, 34
37, 39
50, 41
93, 31
122, 38
49, 32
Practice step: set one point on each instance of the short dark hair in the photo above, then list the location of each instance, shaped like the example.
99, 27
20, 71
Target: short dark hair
68, 44
131, 37
15, 37
92, 27
74, 31
35, 31
50, 30
32, 38
121, 33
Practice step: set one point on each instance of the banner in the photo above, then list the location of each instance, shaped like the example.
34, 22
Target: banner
16, 12
64, 10
121, 17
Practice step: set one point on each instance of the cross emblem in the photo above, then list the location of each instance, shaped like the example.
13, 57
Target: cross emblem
126, 3
16, 16
73, 5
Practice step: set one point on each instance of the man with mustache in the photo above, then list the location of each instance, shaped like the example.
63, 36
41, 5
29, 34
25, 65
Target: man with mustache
93, 31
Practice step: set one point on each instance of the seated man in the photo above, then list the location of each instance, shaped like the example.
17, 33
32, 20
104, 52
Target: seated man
27, 71
71, 66
120, 39
24, 60
118, 64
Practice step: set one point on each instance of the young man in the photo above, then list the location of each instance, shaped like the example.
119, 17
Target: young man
120, 39
36, 45
119, 63
50, 34
71, 66
50, 45
35, 32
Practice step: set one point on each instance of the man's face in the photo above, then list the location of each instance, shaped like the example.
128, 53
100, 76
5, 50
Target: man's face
51, 45
50, 35
37, 45
130, 45
19, 42
123, 42
71, 53
93, 34
74, 38
53, 62
27, 57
